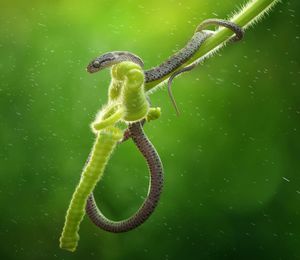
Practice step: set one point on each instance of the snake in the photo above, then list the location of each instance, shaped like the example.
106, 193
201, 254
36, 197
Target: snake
135, 130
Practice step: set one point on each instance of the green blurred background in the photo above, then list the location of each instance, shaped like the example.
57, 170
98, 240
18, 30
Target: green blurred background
232, 180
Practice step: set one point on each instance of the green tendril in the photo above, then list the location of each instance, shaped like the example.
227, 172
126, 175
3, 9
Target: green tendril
105, 143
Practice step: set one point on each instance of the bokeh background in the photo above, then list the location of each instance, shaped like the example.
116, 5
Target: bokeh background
232, 167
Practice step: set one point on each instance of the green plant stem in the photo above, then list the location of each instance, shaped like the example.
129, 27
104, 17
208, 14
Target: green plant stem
252, 12
102, 150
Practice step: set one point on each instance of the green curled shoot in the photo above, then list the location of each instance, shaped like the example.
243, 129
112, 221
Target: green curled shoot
104, 145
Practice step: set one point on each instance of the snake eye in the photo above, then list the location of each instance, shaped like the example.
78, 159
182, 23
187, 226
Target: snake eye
96, 64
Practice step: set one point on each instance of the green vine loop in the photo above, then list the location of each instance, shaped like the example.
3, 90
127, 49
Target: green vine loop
127, 100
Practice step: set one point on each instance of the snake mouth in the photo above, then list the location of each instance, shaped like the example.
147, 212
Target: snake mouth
91, 69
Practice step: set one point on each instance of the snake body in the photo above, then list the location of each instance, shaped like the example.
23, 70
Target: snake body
160, 71
135, 130
156, 183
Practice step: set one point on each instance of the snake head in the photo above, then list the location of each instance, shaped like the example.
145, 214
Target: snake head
111, 58
101, 62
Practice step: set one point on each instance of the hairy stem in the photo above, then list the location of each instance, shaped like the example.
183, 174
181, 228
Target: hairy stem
103, 147
251, 13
